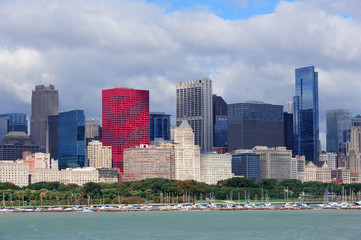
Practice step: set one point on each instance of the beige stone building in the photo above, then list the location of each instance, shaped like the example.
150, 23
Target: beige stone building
146, 161
80, 176
187, 154
275, 163
99, 156
43, 175
315, 171
215, 167
17, 173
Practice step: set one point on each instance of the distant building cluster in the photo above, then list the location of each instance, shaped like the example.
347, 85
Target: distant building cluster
213, 140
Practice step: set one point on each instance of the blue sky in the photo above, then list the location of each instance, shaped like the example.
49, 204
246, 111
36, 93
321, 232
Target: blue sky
226, 9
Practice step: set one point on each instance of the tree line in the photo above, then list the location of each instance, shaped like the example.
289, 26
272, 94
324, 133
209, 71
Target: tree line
165, 190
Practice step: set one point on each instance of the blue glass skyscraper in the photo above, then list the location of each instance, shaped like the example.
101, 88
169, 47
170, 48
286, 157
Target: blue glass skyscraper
12, 122
71, 133
159, 126
305, 114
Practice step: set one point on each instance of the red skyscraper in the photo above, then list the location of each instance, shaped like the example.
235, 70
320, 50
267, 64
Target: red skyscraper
125, 119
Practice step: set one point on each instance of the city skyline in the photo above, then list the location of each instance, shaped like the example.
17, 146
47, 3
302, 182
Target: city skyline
161, 44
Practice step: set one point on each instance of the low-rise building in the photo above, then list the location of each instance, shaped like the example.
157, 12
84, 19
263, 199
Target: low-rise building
80, 176
275, 163
13, 172
146, 161
215, 167
43, 175
315, 171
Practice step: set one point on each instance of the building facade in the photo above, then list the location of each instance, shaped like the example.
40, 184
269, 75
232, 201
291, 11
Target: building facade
146, 161
275, 163
187, 154
246, 165
330, 158
99, 156
253, 124
332, 127
288, 130
44, 102
305, 114
80, 176
220, 122
13, 172
71, 131
53, 136
125, 119
159, 126
194, 104
345, 123
215, 167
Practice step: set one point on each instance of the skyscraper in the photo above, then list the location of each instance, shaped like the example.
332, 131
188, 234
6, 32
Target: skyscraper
288, 130
53, 136
125, 114
12, 122
331, 128
253, 124
345, 122
71, 133
220, 122
194, 103
159, 126
44, 102
305, 114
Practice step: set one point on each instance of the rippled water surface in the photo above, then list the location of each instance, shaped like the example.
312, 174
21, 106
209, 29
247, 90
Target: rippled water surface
274, 224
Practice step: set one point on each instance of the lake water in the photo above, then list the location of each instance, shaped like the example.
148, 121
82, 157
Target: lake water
251, 225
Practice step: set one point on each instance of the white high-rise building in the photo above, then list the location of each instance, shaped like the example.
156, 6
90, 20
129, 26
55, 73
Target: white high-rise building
187, 154
194, 103
99, 156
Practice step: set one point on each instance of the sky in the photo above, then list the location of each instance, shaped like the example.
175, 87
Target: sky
249, 49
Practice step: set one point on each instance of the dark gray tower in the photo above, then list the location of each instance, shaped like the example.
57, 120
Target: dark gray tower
44, 102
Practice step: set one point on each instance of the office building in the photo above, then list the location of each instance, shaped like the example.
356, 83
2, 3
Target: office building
12, 122
71, 131
14, 144
146, 161
187, 154
288, 130
43, 175
99, 156
159, 126
91, 131
13, 172
330, 158
125, 114
53, 136
332, 127
44, 102
215, 167
305, 114
246, 165
345, 122
275, 163
80, 176
194, 104
220, 122
253, 124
